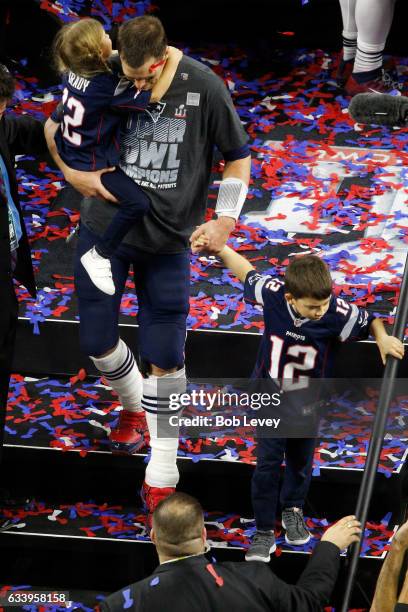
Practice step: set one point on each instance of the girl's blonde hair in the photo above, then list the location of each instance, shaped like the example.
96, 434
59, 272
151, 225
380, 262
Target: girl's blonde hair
77, 47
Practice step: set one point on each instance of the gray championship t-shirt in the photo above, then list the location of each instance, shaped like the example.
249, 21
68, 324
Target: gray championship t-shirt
168, 150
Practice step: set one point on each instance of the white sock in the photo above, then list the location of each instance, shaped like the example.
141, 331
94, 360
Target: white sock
349, 45
162, 468
373, 19
122, 374
369, 57
348, 10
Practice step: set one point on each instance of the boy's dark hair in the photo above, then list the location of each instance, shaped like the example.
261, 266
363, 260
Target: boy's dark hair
6, 84
308, 276
178, 522
140, 39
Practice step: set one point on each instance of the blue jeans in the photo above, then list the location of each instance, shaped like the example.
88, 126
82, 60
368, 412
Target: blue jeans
298, 454
162, 289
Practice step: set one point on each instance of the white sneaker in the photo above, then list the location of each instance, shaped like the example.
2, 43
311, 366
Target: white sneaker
99, 270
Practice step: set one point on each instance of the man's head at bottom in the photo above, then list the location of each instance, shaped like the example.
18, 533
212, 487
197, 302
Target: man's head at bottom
178, 527
6, 88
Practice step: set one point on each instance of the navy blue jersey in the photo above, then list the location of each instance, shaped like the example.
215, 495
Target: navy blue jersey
89, 135
294, 348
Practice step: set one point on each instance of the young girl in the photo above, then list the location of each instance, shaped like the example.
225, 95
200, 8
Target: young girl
93, 100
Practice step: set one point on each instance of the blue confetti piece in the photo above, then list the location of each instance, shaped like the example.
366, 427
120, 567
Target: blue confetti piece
128, 601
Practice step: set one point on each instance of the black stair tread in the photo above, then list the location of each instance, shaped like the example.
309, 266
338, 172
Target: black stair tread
209, 353
61, 414
124, 523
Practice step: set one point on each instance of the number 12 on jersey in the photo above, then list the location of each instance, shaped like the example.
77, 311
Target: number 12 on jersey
292, 380
72, 120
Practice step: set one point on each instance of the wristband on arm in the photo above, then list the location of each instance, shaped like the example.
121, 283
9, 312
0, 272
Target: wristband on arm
231, 197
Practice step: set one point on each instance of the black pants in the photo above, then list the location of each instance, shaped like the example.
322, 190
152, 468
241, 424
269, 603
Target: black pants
8, 324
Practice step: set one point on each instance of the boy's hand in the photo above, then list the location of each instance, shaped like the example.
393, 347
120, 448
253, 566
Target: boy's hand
216, 231
389, 345
200, 244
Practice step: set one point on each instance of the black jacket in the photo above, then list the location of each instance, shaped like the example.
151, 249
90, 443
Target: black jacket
18, 136
187, 585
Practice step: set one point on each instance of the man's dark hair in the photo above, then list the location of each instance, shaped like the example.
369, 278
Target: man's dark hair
140, 39
308, 277
6, 84
178, 523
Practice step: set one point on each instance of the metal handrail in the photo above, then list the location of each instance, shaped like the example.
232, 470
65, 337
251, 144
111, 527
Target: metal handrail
377, 438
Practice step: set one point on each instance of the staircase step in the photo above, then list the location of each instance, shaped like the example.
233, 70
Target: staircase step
56, 441
77, 415
209, 353
111, 522
83, 545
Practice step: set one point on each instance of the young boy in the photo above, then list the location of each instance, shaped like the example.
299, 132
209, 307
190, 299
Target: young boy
303, 319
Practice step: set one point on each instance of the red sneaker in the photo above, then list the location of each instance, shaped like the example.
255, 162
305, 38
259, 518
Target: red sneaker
377, 85
130, 435
151, 496
390, 75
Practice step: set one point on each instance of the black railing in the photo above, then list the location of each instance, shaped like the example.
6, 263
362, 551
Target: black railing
377, 438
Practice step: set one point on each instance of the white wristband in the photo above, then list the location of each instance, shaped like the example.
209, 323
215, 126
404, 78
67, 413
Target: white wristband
231, 197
